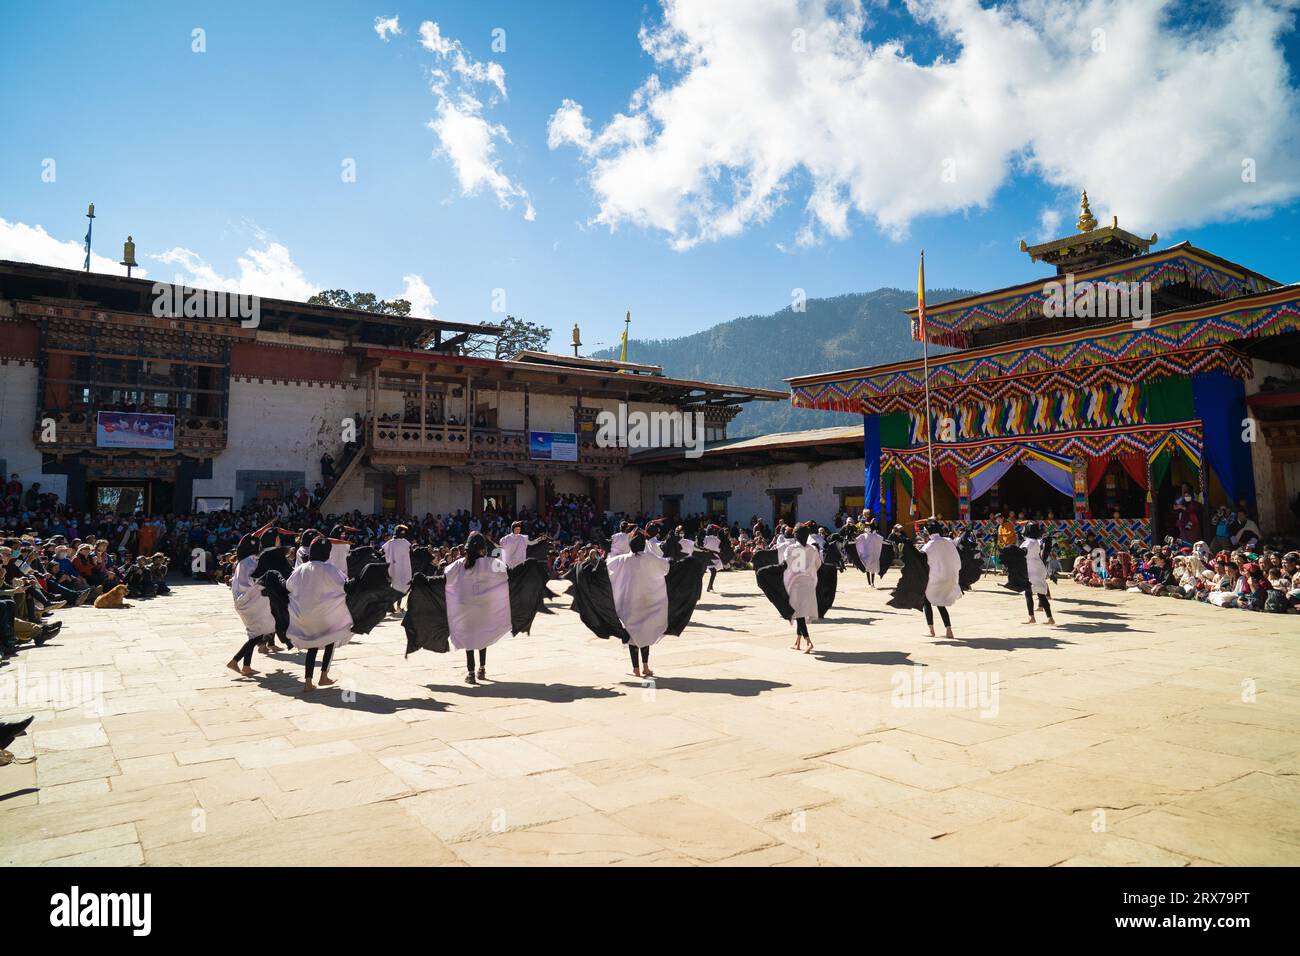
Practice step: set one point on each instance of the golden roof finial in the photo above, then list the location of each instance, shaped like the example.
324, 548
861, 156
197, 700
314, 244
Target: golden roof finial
1087, 222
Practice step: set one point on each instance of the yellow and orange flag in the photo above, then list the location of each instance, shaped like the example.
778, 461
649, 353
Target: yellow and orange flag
920, 298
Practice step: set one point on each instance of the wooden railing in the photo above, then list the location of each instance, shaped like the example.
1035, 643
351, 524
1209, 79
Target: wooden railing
75, 431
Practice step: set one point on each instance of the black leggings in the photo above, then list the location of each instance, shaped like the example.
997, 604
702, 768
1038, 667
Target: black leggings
1029, 601
713, 573
801, 627
324, 664
482, 658
929, 615
246, 652
645, 654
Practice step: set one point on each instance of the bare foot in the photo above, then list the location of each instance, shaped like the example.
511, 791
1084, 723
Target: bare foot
308, 687
948, 634
1030, 621
636, 672
647, 672
810, 648
326, 680
932, 632
1051, 622
249, 672
234, 666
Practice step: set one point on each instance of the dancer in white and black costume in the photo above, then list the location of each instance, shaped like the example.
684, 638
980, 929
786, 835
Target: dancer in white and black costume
931, 577
397, 552
721, 551
801, 587
638, 597
340, 546
251, 604
943, 589
1027, 570
638, 581
476, 603
869, 546
619, 541
514, 546
318, 610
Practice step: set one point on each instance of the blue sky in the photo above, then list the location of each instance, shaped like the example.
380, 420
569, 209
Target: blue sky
700, 215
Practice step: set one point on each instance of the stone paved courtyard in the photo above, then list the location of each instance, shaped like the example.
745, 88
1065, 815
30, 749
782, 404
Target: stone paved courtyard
1126, 735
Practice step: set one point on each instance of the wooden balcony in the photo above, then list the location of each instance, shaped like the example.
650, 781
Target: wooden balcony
75, 432
393, 443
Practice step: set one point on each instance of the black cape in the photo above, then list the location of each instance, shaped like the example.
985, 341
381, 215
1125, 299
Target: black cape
359, 557
421, 559
425, 621
909, 592
972, 562
764, 558
272, 571
369, 596
593, 596
771, 581
850, 549
1014, 559
277, 595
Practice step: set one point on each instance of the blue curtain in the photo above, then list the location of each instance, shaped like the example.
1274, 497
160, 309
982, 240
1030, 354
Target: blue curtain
871, 462
1220, 404
1058, 476
990, 476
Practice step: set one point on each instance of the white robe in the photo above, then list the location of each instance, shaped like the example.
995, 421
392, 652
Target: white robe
688, 547
318, 608
339, 557
620, 543
514, 549
300, 557
397, 552
801, 564
251, 602
713, 543
944, 587
654, 546
640, 586
868, 546
1035, 565
478, 603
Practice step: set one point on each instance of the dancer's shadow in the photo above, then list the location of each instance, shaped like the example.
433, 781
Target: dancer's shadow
1008, 643
882, 658
735, 686
1069, 600
515, 690
721, 607
18, 793
1099, 615
343, 697
849, 620
712, 627
1088, 627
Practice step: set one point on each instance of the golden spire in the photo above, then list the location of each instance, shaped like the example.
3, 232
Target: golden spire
1086, 223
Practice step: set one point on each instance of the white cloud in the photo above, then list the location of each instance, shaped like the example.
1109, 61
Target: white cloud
23, 243
467, 138
1153, 119
386, 27
268, 271
417, 292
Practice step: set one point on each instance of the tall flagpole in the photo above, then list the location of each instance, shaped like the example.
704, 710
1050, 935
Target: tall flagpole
925, 364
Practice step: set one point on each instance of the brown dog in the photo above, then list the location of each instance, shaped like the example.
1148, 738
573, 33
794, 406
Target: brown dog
112, 598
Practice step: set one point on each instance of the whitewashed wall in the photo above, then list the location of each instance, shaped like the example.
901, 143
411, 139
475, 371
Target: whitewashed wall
18, 411
280, 427
817, 501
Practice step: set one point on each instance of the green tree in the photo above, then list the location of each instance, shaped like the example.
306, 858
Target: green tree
517, 335
362, 301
